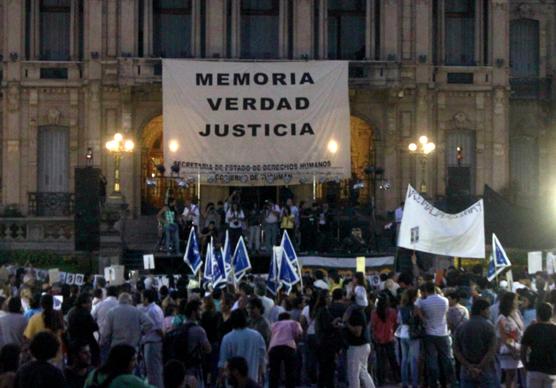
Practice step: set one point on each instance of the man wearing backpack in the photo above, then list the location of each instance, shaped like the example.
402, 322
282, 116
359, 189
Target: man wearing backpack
188, 342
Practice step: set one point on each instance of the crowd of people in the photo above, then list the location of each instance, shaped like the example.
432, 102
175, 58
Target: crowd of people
332, 330
309, 226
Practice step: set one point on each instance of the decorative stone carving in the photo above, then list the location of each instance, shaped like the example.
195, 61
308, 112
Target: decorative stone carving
524, 10
13, 98
461, 121
499, 100
53, 116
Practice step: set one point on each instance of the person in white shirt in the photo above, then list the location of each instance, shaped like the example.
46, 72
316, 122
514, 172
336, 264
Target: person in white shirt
433, 309
398, 215
191, 214
270, 226
100, 313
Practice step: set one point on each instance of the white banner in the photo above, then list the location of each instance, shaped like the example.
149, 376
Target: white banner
428, 229
248, 123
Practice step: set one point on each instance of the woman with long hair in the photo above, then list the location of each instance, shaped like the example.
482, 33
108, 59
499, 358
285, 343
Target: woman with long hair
383, 325
329, 339
117, 371
509, 330
409, 340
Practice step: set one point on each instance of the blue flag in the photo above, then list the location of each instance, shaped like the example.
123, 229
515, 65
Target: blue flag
218, 269
499, 260
272, 282
500, 257
207, 273
192, 256
241, 262
287, 245
227, 254
288, 274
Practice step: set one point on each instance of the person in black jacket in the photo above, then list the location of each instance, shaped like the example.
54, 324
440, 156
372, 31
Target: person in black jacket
82, 326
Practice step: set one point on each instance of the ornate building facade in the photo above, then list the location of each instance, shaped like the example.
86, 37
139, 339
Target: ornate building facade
472, 75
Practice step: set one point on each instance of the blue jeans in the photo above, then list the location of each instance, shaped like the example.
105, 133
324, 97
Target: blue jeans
172, 235
487, 379
410, 361
439, 359
270, 236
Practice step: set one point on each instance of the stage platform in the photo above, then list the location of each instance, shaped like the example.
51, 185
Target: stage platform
173, 264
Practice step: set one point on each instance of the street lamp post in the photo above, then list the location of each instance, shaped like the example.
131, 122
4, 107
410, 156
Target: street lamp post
422, 148
118, 146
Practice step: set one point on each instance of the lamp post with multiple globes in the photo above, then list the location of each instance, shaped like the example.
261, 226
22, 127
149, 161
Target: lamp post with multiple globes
423, 148
117, 146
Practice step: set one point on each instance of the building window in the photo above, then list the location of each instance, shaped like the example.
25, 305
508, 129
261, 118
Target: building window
55, 18
524, 169
524, 48
346, 29
172, 28
53, 159
460, 32
259, 28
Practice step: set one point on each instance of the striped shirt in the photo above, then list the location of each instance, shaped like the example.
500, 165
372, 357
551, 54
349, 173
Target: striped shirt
434, 309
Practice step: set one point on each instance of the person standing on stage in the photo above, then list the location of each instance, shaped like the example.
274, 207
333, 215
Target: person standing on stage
167, 218
234, 220
270, 227
191, 214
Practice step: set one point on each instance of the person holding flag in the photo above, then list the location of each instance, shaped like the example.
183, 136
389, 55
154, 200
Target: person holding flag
240, 260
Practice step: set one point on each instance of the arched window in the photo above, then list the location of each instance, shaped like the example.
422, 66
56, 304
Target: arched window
55, 24
524, 169
346, 29
524, 48
259, 29
460, 32
172, 28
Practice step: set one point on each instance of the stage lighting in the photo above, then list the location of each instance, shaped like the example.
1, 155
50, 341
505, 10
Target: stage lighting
175, 168
322, 179
89, 156
151, 182
226, 179
211, 179
182, 183
269, 178
244, 179
173, 146
161, 169
287, 178
303, 180
358, 186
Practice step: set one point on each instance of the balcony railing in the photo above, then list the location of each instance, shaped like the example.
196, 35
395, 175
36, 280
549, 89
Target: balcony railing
43, 204
376, 73
37, 233
531, 88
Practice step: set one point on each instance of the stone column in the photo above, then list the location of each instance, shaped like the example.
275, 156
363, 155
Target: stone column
14, 47
500, 98
129, 34
216, 23
390, 30
302, 30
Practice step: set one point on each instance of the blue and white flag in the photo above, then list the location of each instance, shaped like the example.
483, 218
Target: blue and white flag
240, 260
272, 282
287, 246
499, 260
219, 278
227, 255
192, 256
500, 256
288, 274
207, 274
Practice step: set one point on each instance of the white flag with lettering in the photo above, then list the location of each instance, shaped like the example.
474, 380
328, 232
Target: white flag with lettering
428, 229
249, 123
